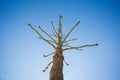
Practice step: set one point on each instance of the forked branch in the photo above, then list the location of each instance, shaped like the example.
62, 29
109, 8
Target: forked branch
70, 31
40, 36
54, 34
47, 34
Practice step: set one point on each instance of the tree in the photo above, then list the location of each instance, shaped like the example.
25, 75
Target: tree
60, 43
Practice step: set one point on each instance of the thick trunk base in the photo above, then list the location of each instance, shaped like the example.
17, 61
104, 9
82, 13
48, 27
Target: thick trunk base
56, 72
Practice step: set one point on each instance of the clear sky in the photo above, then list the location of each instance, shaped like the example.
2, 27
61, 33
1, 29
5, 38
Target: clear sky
21, 52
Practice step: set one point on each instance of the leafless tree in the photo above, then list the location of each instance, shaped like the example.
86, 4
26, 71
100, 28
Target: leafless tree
60, 43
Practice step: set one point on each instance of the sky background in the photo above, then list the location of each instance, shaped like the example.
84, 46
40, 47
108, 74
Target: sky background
21, 52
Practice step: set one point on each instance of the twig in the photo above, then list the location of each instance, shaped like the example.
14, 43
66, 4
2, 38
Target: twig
47, 66
70, 31
48, 54
47, 34
40, 36
53, 27
71, 40
66, 63
78, 47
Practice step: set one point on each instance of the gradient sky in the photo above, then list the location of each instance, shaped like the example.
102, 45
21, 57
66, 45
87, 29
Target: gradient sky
21, 52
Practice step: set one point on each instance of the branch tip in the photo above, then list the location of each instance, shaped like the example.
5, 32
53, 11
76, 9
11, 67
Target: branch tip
96, 44
48, 54
51, 21
43, 70
47, 67
29, 24
44, 56
60, 16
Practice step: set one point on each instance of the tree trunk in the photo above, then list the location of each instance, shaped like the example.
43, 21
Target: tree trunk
56, 72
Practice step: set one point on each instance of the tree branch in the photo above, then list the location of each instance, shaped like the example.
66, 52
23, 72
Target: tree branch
48, 54
74, 47
66, 63
54, 30
79, 47
60, 31
70, 31
40, 36
70, 40
60, 26
47, 34
54, 34
35, 30
48, 42
51, 41
65, 45
47, 66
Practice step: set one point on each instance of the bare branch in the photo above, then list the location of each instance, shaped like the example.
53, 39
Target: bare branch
62, 35
79, 47
54, 30
60, 26
40, 36
48, 54
66, 63
35, 30
47, 34
48, 42
71, 40
47, 66
54, 35
74, 47
65, 44
51, 41
70, 31
60, 31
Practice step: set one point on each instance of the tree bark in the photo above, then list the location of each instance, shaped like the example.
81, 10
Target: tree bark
56, 72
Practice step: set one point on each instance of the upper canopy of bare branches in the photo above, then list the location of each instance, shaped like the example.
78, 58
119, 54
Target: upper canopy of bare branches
56, 39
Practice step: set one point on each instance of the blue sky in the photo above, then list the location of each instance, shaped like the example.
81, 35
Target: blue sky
21, 52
